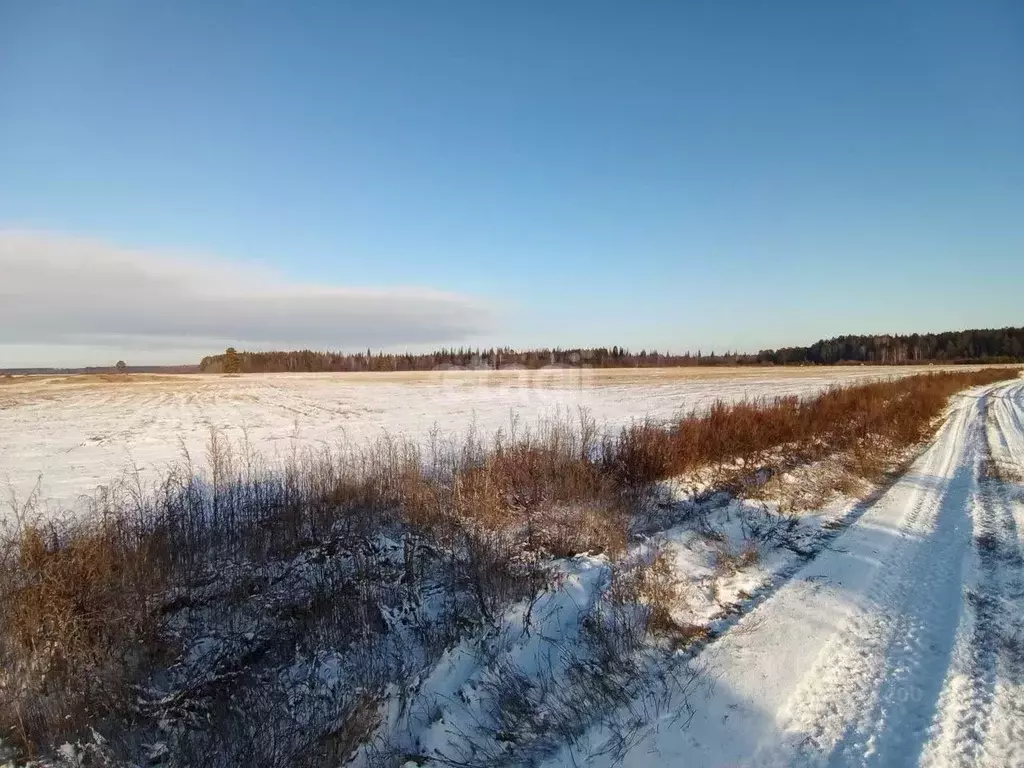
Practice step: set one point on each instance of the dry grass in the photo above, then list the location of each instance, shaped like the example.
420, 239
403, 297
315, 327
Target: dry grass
1004, 471
84, 607
78, 624
535, 378
728, 562
652, 585
865, 421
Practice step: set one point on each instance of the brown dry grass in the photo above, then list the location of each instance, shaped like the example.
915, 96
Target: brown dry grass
543, 377
729, 562
859, 420
78, 624
652, 584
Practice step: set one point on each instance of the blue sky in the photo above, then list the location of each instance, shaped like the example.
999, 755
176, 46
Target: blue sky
671, 175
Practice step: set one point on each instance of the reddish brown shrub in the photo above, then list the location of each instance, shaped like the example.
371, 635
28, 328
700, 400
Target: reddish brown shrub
890, 413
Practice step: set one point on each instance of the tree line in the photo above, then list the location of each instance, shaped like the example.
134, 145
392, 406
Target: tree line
1000, 345
977, 345
310, 361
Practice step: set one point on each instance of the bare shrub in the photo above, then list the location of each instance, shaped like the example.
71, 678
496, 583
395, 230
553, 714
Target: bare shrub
863, 420
498, 570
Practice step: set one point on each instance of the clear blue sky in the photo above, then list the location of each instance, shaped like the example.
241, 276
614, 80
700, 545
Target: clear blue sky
661, 174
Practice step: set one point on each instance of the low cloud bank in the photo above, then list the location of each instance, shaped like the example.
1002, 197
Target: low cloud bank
60, 291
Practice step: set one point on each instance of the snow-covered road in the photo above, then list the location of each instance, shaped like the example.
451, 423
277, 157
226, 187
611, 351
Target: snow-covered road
900, 645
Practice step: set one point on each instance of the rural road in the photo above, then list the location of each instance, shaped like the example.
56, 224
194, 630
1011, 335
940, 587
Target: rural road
900, 645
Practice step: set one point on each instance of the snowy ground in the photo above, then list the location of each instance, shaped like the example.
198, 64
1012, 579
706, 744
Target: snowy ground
901, 644
67, 435
886, 632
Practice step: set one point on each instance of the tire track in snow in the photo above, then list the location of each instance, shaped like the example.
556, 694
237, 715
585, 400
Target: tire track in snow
923, 643
1015, 409
1005, 420
965, 715
1003, 602
877, 662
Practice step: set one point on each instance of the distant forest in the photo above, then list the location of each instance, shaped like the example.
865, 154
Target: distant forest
309, 361
999, 345
987, 345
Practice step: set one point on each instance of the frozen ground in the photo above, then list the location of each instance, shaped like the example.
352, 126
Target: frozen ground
64, 436
902, 644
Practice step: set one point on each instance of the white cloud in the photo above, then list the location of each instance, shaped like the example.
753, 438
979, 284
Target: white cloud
62, 292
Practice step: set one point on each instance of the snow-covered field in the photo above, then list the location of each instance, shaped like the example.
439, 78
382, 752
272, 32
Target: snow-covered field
64, 436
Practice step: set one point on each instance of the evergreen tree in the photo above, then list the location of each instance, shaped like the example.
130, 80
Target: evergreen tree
232, 362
